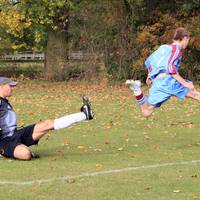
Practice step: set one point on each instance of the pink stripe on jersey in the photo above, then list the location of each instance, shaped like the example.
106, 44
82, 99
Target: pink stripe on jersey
150, 68
180, 54
171, 68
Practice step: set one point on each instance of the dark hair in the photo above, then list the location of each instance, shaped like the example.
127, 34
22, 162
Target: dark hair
180, 33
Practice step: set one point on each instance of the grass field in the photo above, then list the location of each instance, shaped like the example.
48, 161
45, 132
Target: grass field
153, 156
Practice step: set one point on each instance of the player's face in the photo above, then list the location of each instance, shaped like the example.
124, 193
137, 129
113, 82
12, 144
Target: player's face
6, 90
185, 42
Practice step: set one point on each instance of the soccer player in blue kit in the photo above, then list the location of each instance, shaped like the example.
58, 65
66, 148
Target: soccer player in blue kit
163, 75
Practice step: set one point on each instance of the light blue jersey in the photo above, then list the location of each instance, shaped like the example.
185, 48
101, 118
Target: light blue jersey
166, 59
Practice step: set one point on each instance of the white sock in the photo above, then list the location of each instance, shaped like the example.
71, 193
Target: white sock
68, 120
136, 90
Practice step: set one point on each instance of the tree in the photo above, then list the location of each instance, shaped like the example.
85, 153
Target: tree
154, 25
27, 19
124, 31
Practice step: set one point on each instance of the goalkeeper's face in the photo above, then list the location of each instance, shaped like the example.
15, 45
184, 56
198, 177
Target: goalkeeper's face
6, 90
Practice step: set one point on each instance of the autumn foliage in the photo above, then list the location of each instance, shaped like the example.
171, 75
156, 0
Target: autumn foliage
119, 34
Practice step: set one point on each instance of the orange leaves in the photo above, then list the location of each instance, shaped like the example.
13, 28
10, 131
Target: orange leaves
65, 143
142, 36
190, 112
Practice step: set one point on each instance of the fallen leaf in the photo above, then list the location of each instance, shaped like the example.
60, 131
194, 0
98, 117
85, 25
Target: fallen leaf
70, 181
194, 176
97, 149
166, 132
81, 147
176, 191
53, 158
146, 137
65, 143
99, 165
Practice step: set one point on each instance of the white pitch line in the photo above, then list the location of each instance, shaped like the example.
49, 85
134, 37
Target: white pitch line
92, 174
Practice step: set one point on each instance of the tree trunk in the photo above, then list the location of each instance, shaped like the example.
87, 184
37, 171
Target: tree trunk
119, 53
56, 55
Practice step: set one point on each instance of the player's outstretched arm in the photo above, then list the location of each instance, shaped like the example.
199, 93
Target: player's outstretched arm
181, 80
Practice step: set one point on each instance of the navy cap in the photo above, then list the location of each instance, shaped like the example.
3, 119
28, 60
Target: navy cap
5, 80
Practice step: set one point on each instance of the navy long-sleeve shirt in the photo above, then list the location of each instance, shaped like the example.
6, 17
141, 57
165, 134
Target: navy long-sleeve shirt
8, 119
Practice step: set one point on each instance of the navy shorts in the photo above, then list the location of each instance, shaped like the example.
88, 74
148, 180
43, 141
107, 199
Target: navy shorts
21, 136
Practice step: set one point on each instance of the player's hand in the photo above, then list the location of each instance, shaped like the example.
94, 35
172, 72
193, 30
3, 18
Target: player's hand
189, 85
148, 81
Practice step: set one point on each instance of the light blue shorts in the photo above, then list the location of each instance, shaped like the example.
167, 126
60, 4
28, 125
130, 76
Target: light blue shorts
163, 88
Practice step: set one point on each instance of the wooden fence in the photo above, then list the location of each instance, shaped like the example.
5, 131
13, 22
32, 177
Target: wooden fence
26, 56
23, 57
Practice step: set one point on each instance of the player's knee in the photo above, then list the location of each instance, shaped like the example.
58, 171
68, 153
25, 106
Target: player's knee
22, 153
26, 155
48, 123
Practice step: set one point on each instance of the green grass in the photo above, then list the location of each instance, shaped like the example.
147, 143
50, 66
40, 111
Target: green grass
118, 138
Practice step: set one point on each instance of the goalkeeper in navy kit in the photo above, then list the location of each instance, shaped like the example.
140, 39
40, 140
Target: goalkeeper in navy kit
14, 142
